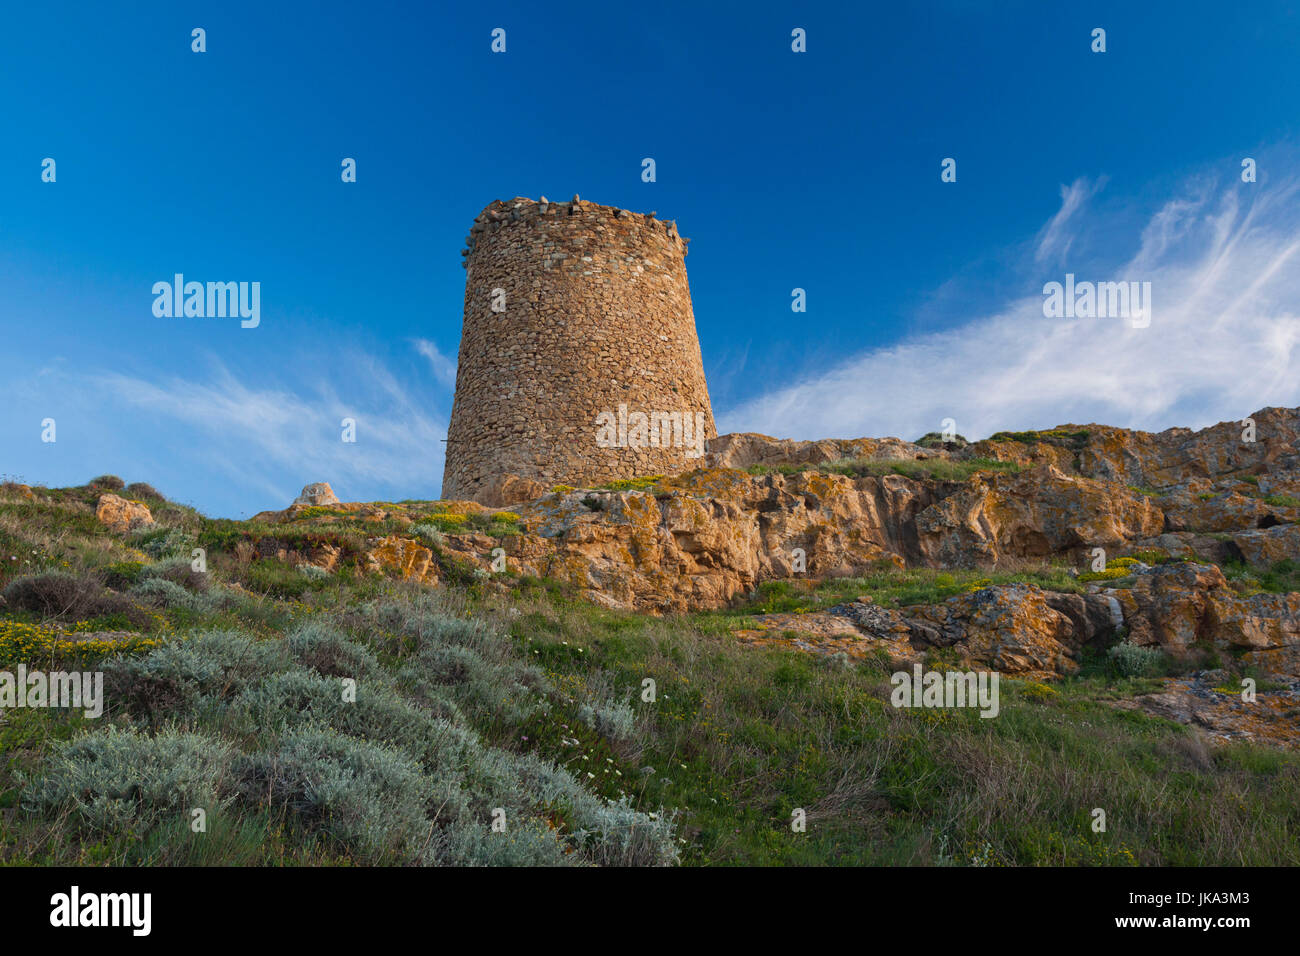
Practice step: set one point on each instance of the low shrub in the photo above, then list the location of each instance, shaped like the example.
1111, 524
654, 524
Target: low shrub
369, 799
429, 534
172, 678
612, 719
60, 594
140, 489
1133, 660
179, 571
161, 592
161, 543
122, 781
122, 575
329, 652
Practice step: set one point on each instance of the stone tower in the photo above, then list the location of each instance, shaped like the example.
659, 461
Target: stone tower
579, 362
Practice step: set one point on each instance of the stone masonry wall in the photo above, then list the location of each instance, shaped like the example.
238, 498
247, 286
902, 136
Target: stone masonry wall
597, 315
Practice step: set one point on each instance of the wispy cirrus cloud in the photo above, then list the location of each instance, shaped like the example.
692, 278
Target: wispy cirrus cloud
1056, 237
443, 366
1224, 338
279, 438
233, 439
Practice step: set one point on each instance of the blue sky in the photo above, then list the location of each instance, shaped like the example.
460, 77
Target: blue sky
818, 170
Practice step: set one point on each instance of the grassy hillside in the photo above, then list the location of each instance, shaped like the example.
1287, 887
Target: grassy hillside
493, 701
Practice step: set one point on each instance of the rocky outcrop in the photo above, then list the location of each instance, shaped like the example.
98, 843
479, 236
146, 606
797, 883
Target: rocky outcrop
318, 493
500, 491
1016, 629
701, 539
769, 510
1025, 631
1214, 704
746, 450
1033, 514
17, 489
1266, 546
1179, 606
1270, 444
1200, 505
119, 514
406, 558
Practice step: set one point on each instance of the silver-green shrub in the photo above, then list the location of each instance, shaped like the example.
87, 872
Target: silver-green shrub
369, 798
613, 719
1133, 660
123, 781
330, 652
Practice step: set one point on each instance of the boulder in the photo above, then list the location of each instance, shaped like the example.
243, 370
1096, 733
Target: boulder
317, 493
411, 560
1012, 629
1176, 606
119, 514
1265, 546
503, 490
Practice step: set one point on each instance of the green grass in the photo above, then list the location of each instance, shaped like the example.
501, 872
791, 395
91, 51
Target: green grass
1281, 577
888, 587
934, 469
741, 737
1282, 501
735, 739
1055, 436
645, 483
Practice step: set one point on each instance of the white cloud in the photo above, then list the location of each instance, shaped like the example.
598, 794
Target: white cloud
1224, 338
277, 439
444, 367
1054, 239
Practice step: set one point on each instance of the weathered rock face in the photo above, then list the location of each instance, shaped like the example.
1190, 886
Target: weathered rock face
1202, 702
1267, 545
1172, 606
1178, 606
1011, 629
1160, 459
1197, 505
748, 449
122, 515
716, 534
317, 493
410, 560
501, 490
705, 538
1015, 629
1023, 630
1033, 514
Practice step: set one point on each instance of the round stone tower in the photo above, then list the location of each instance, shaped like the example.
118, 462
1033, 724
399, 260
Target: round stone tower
579, 362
